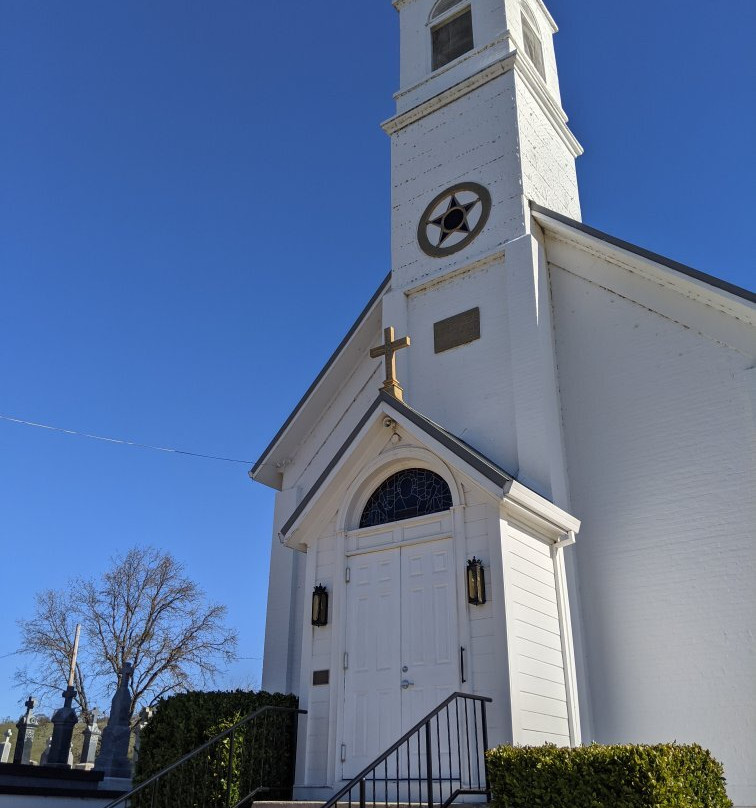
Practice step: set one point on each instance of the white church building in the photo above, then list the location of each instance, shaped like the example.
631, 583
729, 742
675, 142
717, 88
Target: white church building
527, 395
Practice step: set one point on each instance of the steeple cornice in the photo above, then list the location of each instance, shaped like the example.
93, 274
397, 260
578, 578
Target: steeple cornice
513, 60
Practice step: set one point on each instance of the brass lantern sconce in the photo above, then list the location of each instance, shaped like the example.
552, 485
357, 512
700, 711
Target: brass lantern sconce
476, 582
320, 606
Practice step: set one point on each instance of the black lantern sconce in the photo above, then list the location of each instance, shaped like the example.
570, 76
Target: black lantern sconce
476, 582
320, 606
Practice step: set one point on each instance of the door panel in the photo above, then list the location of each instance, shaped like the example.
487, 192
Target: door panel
429, 628
401, 613
372, 719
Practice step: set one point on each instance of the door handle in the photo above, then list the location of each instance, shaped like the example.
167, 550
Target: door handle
406, 683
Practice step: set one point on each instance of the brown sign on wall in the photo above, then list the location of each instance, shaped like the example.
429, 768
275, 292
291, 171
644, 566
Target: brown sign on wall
320, 677
457, 330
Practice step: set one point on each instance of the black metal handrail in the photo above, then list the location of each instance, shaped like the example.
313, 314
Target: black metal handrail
429, 768
227, 771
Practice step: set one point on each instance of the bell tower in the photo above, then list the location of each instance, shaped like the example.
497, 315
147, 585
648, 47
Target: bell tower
479, 102
479, 133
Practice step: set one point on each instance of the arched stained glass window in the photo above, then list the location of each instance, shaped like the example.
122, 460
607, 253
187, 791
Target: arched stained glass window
408, 493
443, 6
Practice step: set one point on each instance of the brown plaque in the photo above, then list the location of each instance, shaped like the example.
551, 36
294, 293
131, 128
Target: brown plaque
320, 677
457, 330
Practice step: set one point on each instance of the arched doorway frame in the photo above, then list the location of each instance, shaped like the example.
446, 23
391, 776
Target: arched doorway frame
380, 469
353, 502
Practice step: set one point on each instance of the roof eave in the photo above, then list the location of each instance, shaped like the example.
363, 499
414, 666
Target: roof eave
264, 470
549, 218
491, 472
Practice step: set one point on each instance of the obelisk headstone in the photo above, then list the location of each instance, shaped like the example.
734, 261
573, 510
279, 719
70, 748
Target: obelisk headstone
91, 738
27, 726
114, 751
5, 747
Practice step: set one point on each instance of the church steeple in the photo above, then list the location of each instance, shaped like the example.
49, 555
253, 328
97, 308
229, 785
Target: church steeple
479, 134
478, 103
445, 41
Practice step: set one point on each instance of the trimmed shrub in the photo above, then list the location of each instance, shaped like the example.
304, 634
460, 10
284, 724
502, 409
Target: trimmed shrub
263, 751
630, 776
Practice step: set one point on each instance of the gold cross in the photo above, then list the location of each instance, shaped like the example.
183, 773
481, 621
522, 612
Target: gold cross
388, 351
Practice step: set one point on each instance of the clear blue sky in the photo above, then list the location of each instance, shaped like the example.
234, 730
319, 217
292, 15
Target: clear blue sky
194, 206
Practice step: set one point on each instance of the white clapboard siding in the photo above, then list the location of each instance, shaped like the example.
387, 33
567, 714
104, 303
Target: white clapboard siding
530, 738
530, 600
539, 695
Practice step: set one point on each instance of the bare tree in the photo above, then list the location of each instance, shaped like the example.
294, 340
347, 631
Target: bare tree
143, 610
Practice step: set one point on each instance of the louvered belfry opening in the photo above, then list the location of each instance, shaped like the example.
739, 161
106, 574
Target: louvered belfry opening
453, 34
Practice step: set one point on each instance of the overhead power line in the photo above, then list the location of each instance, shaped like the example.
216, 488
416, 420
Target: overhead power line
123, 442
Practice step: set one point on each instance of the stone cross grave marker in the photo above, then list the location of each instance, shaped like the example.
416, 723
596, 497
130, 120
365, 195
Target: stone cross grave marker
27, 726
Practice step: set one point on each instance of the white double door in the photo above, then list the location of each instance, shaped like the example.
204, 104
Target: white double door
402, 645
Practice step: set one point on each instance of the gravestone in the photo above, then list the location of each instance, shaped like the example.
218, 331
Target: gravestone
46, 753
64, 720
145, 715
114, 752
91, 738
27, 726
5, 747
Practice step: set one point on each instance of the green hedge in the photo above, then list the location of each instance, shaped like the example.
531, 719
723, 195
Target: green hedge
264, 751
662, 776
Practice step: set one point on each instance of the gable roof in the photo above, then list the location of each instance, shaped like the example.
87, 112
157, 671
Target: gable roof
683, 269
471, 456
378, 294
546, 217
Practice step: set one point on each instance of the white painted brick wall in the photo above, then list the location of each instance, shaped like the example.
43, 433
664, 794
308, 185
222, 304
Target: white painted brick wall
513, 16
548, 167
467, 389
660, 453
418, 82
498, 136
472, 140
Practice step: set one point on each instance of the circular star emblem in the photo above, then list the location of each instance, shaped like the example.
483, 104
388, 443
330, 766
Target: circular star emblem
453, 219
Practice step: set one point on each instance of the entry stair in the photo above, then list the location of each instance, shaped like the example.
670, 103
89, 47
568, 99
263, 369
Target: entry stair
437, 762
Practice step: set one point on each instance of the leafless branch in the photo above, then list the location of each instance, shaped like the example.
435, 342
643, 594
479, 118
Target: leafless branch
144, 610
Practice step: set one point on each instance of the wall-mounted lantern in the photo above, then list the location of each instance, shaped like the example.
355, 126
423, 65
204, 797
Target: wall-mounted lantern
476, 582
320, 606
